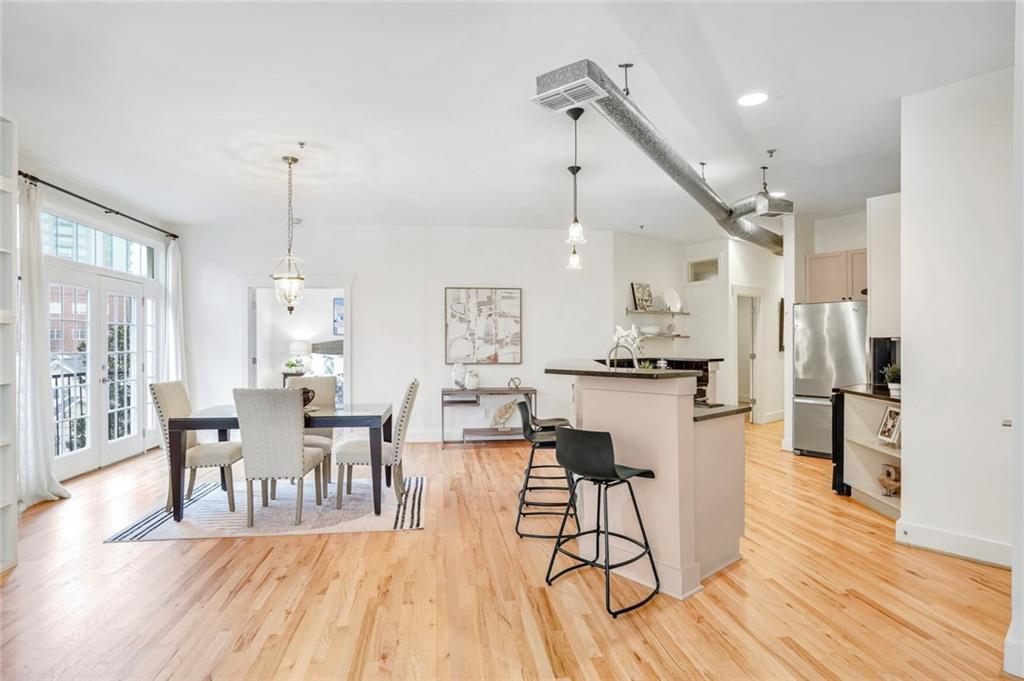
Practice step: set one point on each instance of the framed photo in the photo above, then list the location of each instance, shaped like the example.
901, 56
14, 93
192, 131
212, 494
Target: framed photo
338, 314
782, 324
642, 297
483, 325
889, 428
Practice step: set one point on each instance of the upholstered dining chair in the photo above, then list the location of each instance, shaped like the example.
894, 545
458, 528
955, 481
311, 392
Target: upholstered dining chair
350, 453
271, 423
323, 388
171, 401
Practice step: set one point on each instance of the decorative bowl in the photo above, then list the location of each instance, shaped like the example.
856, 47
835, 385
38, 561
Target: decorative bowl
650, 330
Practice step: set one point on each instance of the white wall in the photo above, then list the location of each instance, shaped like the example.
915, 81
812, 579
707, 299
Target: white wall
1013, 647
959, 247
841, 233
656, 262
396, 306
708, 323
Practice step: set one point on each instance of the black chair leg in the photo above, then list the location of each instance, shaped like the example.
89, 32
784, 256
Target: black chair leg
643, 533
525, 503
602, 530
561, 533
607, 558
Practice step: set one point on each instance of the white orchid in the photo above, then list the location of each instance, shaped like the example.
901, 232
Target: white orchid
629, 337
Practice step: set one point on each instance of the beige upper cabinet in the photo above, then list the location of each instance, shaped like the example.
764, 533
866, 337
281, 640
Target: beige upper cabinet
833, 277
884, 266
827, 277
858, 265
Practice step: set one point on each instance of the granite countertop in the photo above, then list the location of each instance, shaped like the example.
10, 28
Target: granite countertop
877, 391
718, 411
590, 367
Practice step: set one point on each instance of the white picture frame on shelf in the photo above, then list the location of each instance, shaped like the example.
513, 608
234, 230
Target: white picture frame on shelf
889, 428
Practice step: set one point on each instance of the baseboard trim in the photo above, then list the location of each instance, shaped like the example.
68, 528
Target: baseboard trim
1013, 652
787, 445
773, 416
978, 549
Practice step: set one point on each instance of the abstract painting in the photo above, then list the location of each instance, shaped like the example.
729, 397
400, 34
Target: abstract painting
483, 325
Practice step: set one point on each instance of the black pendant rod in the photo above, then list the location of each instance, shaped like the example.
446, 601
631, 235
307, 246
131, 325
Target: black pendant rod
574, 114
35, 180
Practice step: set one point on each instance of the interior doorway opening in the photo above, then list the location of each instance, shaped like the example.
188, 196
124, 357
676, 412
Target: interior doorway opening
747, 310
309, 341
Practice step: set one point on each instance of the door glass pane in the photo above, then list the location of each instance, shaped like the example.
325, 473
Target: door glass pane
150, 365
69, 366
122, 328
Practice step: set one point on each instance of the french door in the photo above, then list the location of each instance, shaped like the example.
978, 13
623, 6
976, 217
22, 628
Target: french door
98, 351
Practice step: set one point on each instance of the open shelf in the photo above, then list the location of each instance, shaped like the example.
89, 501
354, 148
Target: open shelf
892, 502
469, 434
662, 335
877, 446
658, 312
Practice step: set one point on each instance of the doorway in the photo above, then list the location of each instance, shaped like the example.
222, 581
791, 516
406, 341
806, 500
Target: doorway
747, 309
102, 352
311, 340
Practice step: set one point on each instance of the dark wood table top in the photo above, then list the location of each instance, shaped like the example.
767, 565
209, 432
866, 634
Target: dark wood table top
225, 416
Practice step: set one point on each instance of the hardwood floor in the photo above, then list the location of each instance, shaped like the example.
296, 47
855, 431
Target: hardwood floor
822, 592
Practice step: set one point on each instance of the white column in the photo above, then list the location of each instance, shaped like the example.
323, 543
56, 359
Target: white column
798, 240
1013, 648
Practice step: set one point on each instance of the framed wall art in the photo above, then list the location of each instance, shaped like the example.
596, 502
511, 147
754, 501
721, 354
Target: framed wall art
483, 325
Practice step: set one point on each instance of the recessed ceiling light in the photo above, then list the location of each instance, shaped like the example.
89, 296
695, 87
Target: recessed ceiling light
778, 195
752, 99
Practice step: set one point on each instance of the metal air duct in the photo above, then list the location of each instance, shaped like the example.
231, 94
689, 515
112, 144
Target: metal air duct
584, 81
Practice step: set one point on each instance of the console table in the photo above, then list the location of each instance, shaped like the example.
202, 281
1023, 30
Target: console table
462, 397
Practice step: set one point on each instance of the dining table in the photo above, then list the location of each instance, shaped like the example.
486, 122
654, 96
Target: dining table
223, 418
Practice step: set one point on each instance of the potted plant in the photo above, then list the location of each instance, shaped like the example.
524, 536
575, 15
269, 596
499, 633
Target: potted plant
891, 373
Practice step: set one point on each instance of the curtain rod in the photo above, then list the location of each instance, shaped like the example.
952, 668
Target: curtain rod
35, 180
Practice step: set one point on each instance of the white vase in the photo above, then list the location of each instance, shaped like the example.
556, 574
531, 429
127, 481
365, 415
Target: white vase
894, 389
472, 380
458, 375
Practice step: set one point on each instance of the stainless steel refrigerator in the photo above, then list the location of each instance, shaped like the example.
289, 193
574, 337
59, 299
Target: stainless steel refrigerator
830, 348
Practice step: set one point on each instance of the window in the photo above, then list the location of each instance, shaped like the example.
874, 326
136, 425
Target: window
149, 305
122, 358
63, 238
69, 366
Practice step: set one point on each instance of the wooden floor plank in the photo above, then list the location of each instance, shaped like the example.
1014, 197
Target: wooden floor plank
822, 592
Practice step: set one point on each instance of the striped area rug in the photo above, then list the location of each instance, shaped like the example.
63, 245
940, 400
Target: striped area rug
207, 515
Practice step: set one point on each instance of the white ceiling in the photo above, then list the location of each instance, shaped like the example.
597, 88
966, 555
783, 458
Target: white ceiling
419, 114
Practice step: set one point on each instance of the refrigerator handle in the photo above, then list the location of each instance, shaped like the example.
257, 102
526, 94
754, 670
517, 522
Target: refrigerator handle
813, 400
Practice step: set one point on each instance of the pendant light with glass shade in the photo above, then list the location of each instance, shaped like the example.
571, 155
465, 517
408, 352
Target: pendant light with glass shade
289, 283
576, 228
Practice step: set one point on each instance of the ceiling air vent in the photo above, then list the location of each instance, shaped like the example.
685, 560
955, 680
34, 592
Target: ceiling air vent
569, 95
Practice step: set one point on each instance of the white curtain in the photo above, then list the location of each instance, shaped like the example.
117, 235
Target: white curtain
174, 330
36, 479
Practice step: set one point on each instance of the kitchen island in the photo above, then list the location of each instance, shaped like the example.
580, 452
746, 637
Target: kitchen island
693, 508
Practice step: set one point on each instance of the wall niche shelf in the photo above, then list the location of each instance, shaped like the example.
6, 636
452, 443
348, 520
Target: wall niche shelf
662, 335
877, 446
658, 312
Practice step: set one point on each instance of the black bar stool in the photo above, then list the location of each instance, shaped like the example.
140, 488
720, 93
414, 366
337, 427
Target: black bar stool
589, 455
542, 436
